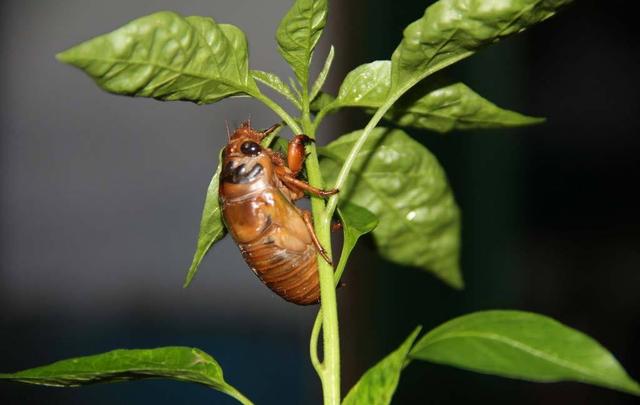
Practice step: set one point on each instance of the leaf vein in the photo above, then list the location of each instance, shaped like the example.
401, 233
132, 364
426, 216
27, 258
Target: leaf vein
171, 69
550, 357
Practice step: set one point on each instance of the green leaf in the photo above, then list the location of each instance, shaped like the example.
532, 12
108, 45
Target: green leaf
444, 109
356, 221
212, 227
175, 363
453, 107
378, 384
168, 57
451, 30
365, 86
274, 82
322, 77
403, 184
523, 345
299, 32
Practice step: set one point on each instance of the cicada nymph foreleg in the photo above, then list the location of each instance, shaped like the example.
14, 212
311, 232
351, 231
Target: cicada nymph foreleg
295, 159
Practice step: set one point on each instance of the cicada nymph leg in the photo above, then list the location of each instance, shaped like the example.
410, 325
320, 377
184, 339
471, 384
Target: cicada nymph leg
292, 182
308, 221
296, 153
295, 160
296, 187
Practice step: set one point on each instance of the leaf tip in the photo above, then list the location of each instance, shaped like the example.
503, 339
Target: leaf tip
416, 332
193, 269
632, 387
458, 284
453, 280
64, 56
528, 120
192, 272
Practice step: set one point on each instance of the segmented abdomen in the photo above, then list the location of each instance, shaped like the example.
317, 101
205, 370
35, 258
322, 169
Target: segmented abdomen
275, 243
290, 274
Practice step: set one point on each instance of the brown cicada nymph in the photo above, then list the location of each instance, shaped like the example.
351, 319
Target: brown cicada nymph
257, 193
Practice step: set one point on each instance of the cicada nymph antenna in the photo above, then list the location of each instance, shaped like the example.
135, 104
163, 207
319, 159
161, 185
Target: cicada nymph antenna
226, 124
270, 129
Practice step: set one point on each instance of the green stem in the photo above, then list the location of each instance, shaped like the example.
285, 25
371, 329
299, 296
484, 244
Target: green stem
313, 345
231, 391
330, 366
315, 332
319, 208
288, 119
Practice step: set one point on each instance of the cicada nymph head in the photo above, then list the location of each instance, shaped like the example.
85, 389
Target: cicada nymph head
245, 161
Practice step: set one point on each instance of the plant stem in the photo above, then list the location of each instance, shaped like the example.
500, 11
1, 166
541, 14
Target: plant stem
313, 345
288, 119
317, 324
237, 395
330, 366
319, 208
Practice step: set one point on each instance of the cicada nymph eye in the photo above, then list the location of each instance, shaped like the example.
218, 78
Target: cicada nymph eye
250, 148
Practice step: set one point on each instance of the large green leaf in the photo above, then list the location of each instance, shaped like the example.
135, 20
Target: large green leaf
403, 184
453, 107
441, 109
174, 363
299, 32
523, 345
212, 227
377, 385
356, 221
451, 30
168, 57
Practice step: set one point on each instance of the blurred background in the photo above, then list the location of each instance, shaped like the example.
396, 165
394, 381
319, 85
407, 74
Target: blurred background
101, 196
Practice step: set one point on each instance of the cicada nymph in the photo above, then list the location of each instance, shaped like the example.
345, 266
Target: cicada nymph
258, 188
